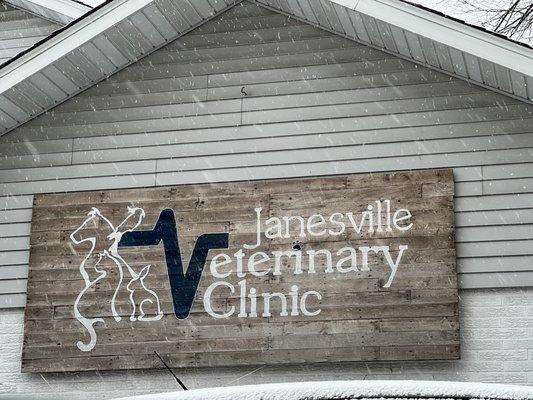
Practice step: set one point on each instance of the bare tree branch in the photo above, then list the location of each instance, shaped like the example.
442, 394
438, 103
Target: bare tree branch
512, 18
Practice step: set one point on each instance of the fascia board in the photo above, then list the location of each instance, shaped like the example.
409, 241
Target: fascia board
447, 31
68, 40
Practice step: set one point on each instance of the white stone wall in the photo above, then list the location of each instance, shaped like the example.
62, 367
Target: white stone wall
496, 339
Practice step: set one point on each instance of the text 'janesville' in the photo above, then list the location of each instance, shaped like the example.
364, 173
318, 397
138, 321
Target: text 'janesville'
377, 218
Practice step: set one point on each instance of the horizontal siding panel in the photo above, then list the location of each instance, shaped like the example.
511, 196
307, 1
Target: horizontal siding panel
524, 170
493, 280
276, 48
339, 68
494, 233
14, 243
495, 202
253, 64
494, 264
12, 216
285, 75
524, 185
80, 184
35, 148
21, 186
21, 257
74, 171
230, 24
13, 272
431, 149
162, 93
385, 107
467, 174
15, 202
142, 113
418, 91
34, 160
362, 80
28, 32
467, 188
362, 122
501, 248
136, 99
301, 168
106, 88
325, 128
244, 38
14, 229
307, 148
132, 181
357, 96
12, 301
495, 217
12, 285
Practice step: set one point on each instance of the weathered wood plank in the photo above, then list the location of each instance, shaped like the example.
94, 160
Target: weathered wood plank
312, 304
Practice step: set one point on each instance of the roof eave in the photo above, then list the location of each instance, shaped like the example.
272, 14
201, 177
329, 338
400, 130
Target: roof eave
67, 40
448, 32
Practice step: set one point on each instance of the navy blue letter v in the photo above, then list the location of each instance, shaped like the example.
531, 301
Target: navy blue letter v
183, 285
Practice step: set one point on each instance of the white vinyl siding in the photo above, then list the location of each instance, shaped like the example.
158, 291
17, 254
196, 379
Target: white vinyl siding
316, 104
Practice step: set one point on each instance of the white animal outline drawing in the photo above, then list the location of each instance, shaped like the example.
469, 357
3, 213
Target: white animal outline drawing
112, 254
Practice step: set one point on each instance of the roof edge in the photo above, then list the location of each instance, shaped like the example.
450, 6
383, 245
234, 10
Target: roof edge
447, 31
67, 40
374, 389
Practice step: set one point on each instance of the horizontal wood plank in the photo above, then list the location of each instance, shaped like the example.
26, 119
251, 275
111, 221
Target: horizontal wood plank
354, 310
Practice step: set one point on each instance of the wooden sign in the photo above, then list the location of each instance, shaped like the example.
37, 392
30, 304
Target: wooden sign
344, 268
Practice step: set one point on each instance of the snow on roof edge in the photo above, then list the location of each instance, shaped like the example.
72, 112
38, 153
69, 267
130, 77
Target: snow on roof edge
349, 390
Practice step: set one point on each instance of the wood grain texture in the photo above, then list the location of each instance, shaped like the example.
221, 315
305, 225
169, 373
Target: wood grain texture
416, 318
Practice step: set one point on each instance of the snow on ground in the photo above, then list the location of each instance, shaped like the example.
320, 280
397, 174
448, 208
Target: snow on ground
350, 389
477, 12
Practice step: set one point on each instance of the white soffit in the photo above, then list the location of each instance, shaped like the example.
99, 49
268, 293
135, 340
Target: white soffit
424, 37
449, 32
104, 41
61, 11
119, 32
